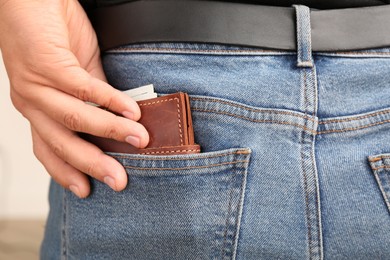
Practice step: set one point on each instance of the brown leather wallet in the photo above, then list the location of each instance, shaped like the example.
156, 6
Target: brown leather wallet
169, 124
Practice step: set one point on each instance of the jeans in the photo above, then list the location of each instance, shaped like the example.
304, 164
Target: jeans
295, 160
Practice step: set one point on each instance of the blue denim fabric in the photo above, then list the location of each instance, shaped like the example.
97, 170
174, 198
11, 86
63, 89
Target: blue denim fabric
295, 160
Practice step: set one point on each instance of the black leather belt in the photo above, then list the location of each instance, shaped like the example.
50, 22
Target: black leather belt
239, 24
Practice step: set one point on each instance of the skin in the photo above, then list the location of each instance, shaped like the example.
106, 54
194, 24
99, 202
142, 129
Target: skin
52, 58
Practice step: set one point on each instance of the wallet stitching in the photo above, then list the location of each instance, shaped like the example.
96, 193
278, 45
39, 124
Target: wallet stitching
176, 159
187, 168
172, 151
178, 112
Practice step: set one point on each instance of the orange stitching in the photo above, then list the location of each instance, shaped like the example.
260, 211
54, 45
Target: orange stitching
351, 129
375, 159
258, 121
158, 101
385, 157
253, 109
179, 118
243, 152
354, 118
381, 167
189, 167
379, 158
175, 159
173, 151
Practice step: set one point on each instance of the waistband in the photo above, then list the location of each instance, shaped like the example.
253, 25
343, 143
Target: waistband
239, 24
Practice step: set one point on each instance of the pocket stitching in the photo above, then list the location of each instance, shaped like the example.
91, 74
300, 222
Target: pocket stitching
199, 156
378, 167
187, 168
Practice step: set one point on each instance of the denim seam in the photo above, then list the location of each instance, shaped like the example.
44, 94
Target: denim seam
253, 109
224, 252
297, 125
178, 113
240, 211
175, 159
308, 219
306, 116
186, 168
64, 244
313, 69
318, 204
353, 128
315, 183
237, 213
381, 167
326, 121
313, 158
305, 99
310, 178
313, 162
308, 215
379, 158
376, 171
256, 120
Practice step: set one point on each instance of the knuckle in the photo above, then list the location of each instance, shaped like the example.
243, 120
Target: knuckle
83, 93
109, 103
91, 168
93, 165
72, 121
58, 149
111, 132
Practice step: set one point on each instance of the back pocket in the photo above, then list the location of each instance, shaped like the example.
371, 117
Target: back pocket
175, 207
380, 165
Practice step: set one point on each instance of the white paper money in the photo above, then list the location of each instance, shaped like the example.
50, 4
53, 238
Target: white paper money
141, 93
144, 96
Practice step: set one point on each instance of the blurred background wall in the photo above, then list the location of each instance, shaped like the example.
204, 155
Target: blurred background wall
23, 181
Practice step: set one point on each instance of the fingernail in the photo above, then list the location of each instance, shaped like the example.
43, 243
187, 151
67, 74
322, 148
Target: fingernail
75, 190
129, 115
133, 140
110, 182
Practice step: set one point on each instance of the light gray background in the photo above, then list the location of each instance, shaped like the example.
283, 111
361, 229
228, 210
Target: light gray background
23, 180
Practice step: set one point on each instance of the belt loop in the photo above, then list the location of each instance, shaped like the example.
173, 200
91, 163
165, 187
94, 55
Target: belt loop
303, 29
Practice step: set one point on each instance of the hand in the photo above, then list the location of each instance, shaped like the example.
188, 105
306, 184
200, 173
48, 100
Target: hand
52, 59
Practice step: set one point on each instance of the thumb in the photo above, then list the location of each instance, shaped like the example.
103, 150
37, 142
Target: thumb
83, 40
